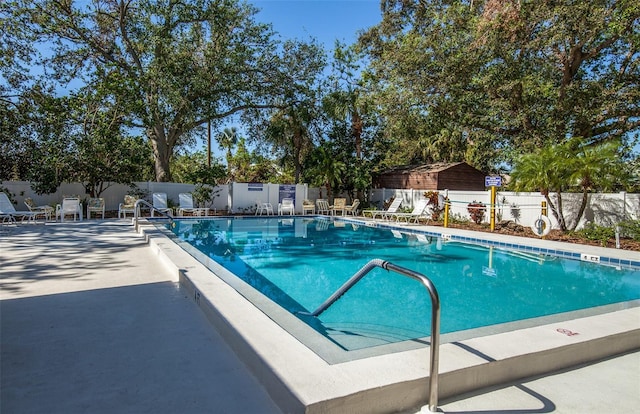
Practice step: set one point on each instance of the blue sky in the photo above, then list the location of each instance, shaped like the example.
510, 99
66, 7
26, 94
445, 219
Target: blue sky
325, 20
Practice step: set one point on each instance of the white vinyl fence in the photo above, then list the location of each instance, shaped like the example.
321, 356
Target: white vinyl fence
524, 208
241, 198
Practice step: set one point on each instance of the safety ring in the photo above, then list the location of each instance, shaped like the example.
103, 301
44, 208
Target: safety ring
541, 226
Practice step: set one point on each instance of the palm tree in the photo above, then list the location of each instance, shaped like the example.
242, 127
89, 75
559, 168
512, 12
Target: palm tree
326, 170
228, 139
557, 168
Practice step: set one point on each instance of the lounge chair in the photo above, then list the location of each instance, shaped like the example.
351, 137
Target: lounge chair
384, 214
129, 206
44, 211
186, 204
95, 205
160, 204
286, 206
308, 206
338, 205
263, 207
322, 206
9, 213
353, 208
70, 206
418, 210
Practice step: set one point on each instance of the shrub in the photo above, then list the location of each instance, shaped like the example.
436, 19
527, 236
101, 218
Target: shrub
434, 204
597, 233
476, 210
630, 229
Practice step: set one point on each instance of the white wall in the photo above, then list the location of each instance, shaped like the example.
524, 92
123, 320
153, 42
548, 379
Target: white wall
603, 209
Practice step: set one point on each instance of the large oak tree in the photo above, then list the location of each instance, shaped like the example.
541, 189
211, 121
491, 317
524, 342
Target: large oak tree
177, 64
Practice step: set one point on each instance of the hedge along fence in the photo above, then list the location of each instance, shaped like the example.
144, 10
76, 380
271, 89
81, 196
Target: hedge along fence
605, 209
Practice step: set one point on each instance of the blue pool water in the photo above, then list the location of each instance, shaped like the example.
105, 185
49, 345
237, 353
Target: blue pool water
299, 262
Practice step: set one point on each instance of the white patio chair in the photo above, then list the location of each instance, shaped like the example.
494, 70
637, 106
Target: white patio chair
186, 204
286, 206
9, 213
384, 214
322, 206
160, 204
418, 210
263, 207
70, 206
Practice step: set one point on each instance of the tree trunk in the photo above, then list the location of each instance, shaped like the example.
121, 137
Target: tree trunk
583, 206
557, 210
161, 153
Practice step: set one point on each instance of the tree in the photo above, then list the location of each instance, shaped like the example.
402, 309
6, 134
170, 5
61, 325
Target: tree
193, 168
572, 165
502, 78
296, 124
176, 64
227, 140
325, 169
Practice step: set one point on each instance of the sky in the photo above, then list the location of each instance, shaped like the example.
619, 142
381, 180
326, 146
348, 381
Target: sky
325, 20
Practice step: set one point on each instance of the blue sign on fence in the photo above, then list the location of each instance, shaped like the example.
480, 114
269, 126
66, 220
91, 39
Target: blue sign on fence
490, 181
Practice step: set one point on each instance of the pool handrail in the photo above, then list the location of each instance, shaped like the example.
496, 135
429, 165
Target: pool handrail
136, 209
435, 314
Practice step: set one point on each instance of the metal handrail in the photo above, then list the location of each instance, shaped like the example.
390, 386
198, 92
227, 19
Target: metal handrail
148, 204
435, 314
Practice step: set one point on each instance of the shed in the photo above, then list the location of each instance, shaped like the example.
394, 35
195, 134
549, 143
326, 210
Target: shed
437, 176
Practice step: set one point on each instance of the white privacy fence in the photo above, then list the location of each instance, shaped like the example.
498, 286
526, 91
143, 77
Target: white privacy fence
235, 198
525, 208
241, 198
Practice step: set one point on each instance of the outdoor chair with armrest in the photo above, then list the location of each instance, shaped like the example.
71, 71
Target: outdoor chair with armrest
353, 208
384, 214
339, 204
286, 206
70, 206
44, 211
9, 213
160, 204
129, 206
95, 205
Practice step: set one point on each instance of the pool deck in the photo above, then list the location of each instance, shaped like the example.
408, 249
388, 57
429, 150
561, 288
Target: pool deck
93, 319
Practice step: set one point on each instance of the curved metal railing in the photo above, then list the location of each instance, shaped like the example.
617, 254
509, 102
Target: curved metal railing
435, 314
136, 209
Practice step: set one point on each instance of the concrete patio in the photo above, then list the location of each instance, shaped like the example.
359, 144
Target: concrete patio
91, 320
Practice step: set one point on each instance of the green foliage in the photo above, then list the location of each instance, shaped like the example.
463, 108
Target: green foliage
603, 234
487, 81
174, 66
597, 233
574, 165
204, 194
192, 168
630, 228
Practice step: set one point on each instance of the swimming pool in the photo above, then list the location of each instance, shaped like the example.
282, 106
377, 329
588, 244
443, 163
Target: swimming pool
299, 262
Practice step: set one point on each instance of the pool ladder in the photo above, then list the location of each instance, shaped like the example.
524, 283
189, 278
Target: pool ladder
435, 314
148, 204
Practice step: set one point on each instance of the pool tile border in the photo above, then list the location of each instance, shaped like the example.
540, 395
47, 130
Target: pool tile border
569, 251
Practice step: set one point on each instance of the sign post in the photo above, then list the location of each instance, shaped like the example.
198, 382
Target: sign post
493, 182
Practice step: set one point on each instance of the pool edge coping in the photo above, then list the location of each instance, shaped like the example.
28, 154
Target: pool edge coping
300, 381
